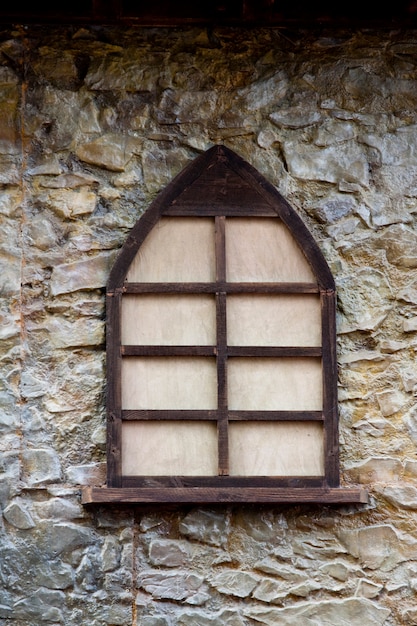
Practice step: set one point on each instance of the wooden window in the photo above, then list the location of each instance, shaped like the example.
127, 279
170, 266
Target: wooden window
221, 350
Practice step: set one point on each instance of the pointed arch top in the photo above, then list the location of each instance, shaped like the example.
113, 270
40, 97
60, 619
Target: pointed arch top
221, 349
221, 183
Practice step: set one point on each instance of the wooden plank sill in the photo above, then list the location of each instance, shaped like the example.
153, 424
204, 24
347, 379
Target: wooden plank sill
212, 495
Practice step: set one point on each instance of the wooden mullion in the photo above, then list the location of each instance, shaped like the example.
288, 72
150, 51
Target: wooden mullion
114, 422
222, 481
235, 211
170, 288
272, 288
330, 409
274, 351
175, 414
257, 288
221, 338
131, 350
276, 416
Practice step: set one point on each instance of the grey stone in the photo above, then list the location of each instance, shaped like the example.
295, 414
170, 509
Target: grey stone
185, 106
17, 514
110, 554
276, 567
267, 138
88, 575
111, 152
410, 325
10, 274
338, 570
172, 585
82, 332
332, 209
306, 162
368, 589
117, 584
400, 245
43, 606
376, 547
390, 401
66, 181
346, 227
352, 611
68, 203
334, 131
296, 117
227, 617
90, 273
409, 379
274, 592
59, 537
409, 294
206, 526
157, 620
376, 470
10, 201
263, 526
160, 166
55, 575
59, 508
391, 346
129, 70
410, 470
235, 583
43, 233
118, 615
32, 386
264, 92
365, 299
93, 474
168, 553
410, 617
398, 148
401, 496
40, 466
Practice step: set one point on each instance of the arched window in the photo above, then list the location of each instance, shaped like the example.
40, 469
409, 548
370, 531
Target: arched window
221, 350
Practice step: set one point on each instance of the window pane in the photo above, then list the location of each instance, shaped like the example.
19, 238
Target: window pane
169, 320
169, 448
276, 449
263, 249
270, 320
157, 383
178, 249
284, 384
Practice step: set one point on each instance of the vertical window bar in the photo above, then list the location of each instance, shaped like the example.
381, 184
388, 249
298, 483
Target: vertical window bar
221, 332
330, 410
114, 402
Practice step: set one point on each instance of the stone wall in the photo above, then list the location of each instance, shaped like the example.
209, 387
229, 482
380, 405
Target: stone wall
93, 123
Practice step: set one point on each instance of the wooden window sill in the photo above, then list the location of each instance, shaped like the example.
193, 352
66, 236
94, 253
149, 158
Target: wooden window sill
212, 495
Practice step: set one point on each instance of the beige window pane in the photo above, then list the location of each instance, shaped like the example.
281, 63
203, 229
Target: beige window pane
263, 249
157, 383
266, 384
276, 449
273, 320
169, 320
177, 249
169, 448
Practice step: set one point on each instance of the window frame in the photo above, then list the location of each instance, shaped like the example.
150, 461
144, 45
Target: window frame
219, 184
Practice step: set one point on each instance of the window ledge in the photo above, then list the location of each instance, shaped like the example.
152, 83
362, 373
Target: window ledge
207, 495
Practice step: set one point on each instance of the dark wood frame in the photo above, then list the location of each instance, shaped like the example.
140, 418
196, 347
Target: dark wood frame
220, 184
265, 13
